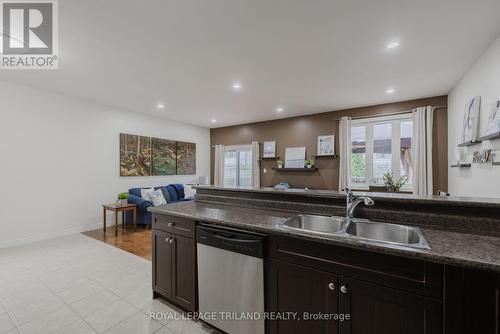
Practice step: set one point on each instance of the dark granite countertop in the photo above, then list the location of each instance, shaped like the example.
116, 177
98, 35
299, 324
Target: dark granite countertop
468, 250
389, 197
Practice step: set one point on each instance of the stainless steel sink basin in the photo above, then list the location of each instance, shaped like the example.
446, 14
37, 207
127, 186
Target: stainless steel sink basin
387, 233
315, 224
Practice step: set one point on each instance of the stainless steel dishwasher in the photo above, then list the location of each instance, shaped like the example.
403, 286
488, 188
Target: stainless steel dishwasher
231, 279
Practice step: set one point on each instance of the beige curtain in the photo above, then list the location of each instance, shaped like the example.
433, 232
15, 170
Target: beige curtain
255, 164
219, 165
422, 139
344, 152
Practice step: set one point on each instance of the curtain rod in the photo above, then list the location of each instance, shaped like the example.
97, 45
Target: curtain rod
392, 114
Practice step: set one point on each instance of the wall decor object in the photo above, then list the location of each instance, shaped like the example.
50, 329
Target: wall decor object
147, 156
164, 161
493, 125
269, 149
186, 158
326, 145
295, 157
471, 120
135, 155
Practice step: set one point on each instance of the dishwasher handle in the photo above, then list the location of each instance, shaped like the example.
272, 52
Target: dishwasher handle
231, 240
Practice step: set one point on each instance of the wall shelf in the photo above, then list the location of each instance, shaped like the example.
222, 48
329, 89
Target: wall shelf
469, 143
333, 156
313, 169
491, 136
462, 165
275, 158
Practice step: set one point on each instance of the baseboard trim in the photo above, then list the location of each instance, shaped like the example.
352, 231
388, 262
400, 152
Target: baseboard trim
46, 236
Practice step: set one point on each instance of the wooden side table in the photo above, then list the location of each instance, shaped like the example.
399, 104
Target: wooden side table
119, 208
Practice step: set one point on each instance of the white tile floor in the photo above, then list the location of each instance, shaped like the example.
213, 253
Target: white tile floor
78, 285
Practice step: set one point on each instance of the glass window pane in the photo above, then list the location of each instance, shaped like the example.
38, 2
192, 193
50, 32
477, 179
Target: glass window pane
382, 151
406, 159
245, 162
358, 156
230, 169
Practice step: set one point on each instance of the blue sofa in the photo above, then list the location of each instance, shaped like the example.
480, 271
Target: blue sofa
172, 193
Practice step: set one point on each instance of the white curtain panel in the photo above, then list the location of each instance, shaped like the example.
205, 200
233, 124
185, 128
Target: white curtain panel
344, 152
422, 146
255, 164
219, 165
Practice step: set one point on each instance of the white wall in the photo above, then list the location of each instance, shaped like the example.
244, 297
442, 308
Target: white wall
59, 160
483, 79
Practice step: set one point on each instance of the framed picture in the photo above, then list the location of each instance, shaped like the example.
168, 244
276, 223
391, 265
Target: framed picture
295, 157
326, 145
471, 120
494, 119
269, 149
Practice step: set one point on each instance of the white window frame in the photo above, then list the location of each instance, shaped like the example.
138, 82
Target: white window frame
237, 149
395, 121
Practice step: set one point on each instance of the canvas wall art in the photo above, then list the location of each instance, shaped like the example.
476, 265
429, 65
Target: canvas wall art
186, 158
326, 145
135, 155
149, 156
164, 161
493, 125
269, 149
471, 120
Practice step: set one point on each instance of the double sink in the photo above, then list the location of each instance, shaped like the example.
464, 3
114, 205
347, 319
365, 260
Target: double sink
360, 229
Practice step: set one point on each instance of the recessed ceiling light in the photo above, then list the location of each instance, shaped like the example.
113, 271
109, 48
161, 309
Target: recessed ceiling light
390, 90
236, 86
392, 45
160, 106
214, 120
280, 109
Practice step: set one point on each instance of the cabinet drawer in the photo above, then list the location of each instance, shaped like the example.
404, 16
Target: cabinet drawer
173, 224
401, 273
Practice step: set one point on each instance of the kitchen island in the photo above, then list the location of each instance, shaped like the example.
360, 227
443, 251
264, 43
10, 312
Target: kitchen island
450, 288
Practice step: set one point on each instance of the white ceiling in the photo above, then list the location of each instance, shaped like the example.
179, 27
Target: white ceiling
309, 56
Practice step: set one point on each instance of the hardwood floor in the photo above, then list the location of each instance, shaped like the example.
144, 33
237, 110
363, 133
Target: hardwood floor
138, 243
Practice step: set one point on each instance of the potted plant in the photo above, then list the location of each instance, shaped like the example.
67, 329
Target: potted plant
391, 185
279, 163
309, 163
122, 198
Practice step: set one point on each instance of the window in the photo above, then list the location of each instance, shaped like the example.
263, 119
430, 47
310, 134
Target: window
381, 145
238, 166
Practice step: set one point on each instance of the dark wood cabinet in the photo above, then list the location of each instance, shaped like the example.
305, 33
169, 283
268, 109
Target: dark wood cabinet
301, 291
162, 263
373, 293
184, 272
174, 261
378, 309
472, 301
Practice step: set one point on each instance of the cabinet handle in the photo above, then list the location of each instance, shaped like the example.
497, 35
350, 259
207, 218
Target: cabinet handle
331, 286
171, 224
167, 239
343, 289
172, 240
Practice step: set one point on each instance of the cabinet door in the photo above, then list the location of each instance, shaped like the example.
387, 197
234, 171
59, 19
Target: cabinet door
162, 263
293, 288
381, 310
472, 301
184, 275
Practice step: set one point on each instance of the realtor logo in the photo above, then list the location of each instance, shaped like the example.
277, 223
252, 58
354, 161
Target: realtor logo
29, 34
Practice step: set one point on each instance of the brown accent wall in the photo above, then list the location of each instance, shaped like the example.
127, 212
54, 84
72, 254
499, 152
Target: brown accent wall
304, 130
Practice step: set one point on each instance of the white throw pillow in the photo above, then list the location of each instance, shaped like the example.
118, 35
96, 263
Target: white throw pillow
157, 197
146, 193
189, 192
